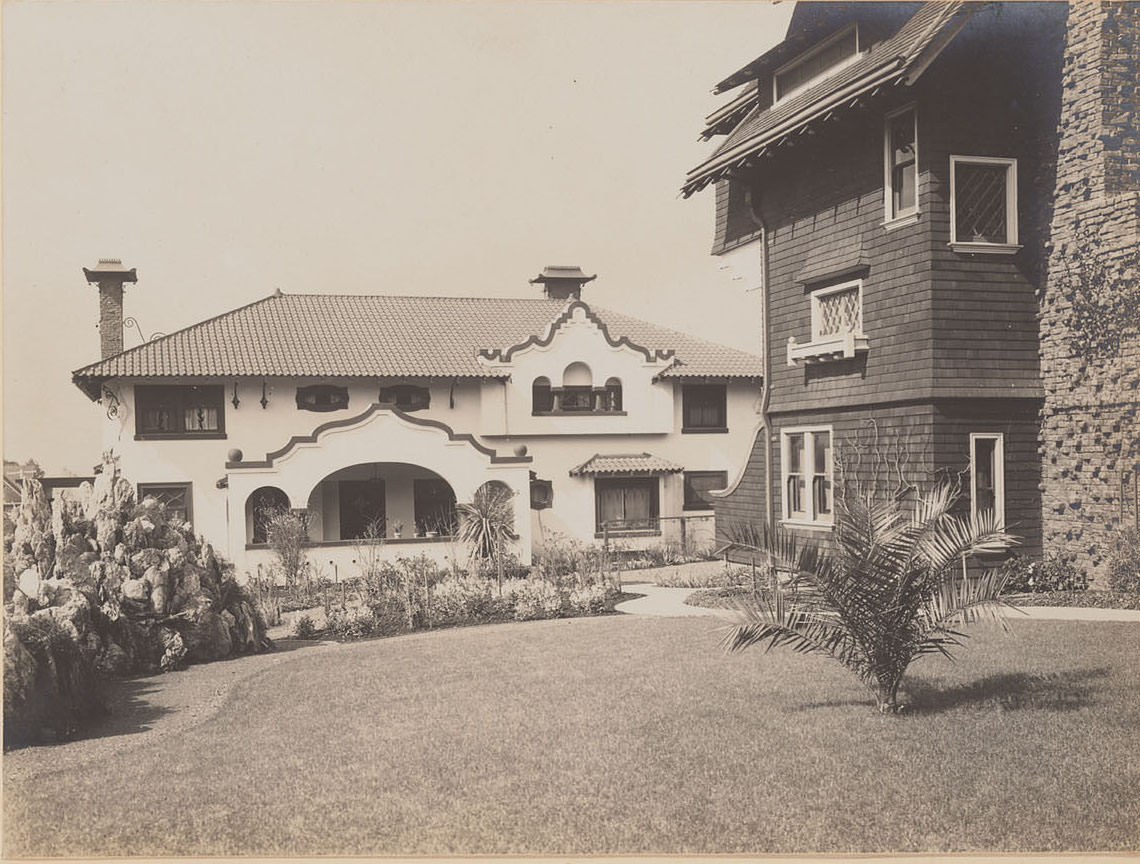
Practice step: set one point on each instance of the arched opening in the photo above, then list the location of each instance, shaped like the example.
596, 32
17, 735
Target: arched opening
577, 388
261, 505
383, 500
541, 396
613, 395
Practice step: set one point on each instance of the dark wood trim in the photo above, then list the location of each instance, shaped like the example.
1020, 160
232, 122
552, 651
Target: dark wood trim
180, 436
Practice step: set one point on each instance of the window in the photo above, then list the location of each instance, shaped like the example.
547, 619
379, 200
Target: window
264, 503
806, 464
176, 496
703, 408
697, 486
983, 204
626, 503
987, 474
406, 397
814, 64
901, 164
611, 400
180, 411
434, 505
361, 505
836, 325
836, 311
541, 397
577, 389
322, 397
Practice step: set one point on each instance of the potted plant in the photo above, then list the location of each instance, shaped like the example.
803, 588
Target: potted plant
397, 529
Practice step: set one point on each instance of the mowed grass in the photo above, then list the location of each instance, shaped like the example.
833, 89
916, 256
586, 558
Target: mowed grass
616, 735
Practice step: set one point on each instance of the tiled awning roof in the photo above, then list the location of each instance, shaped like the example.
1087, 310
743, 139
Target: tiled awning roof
885, 64
635, 463
331, 335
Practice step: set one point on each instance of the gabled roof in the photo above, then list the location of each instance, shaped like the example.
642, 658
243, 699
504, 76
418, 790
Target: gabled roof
631, 463
885, 64
338, 335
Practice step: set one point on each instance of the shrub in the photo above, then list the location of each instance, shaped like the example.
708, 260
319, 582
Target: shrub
532, 599
351, 622
455, 601
1124, 563
1054, 573
568, 563
591, 600
304, 628
722, 577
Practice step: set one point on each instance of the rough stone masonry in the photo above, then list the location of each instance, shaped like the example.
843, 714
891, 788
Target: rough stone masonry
1090, 299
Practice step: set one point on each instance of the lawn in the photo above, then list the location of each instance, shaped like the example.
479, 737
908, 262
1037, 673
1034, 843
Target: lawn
603, 735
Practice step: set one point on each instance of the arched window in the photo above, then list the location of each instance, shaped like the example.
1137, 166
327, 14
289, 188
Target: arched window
613, 395
577, 388
261, 506
542, 398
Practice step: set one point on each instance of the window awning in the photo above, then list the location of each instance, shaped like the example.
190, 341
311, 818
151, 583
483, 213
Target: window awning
630, 463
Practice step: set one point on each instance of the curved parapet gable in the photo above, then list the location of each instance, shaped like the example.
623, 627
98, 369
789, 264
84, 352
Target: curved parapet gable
372, 409
541, 341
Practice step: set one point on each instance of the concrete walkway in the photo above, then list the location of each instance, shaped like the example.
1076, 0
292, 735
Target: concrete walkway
660, 602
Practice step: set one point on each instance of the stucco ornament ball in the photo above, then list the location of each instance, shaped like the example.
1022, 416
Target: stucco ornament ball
235, 455
520, 450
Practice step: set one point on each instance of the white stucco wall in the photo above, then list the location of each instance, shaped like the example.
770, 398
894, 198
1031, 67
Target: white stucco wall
498, 414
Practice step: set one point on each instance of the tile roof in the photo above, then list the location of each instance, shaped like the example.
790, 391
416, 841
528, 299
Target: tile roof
885, 63
330, 335
630, 463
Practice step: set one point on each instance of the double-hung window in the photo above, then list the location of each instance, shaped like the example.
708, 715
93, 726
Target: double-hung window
806, 463
983, 204
987, 474
901, 165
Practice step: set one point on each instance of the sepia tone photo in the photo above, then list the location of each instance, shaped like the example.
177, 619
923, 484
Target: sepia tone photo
571, 430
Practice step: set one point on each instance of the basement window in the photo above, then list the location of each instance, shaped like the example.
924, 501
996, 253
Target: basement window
983, 204
179, 412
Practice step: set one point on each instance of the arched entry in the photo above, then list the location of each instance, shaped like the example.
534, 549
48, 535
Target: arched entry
381, 500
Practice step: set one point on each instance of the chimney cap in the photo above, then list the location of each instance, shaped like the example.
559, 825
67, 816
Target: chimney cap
553, 272
110, 270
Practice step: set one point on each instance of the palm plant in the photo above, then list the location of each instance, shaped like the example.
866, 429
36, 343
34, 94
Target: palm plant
892, 587
487, 523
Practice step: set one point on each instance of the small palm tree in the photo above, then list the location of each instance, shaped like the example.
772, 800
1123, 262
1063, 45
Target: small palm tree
892, 587
487, 523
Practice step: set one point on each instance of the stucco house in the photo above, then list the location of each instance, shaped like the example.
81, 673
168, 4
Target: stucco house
358, 408
938, 203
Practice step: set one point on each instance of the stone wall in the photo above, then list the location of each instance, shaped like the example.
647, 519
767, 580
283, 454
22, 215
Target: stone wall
1090, 300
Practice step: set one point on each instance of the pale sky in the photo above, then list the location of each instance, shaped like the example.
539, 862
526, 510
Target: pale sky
227, 149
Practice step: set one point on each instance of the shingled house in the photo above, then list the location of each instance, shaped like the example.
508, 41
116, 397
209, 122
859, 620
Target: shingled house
366, 408
939, 203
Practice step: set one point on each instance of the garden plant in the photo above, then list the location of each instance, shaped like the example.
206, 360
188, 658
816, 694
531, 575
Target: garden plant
891, 588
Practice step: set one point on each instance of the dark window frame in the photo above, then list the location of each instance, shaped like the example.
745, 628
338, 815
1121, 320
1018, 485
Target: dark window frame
652, 483
705, 394
406, 397
142, 490
326, 397
178, 398
693, 499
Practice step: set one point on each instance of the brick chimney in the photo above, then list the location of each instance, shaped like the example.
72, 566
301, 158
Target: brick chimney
562, 283
110, 275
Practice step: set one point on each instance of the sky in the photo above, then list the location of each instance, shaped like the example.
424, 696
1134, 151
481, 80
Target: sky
230, 149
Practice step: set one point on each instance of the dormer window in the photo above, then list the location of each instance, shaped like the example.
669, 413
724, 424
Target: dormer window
814, 64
